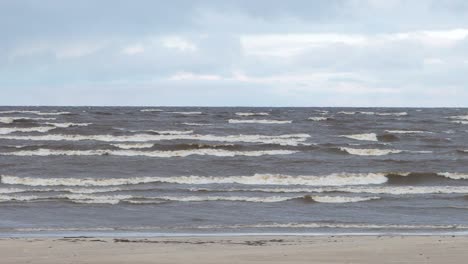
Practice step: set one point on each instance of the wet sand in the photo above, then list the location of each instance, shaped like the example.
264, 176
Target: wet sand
246, 249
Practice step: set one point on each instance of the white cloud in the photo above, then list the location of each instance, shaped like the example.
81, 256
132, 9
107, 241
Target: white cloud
178, 43
288, 45
133, 49
189, 76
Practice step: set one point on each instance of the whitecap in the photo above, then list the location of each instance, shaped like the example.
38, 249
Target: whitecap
252, 114
337, 179
9, 120
64, 125
258, 121
367, 137
318, 118
8, 130
287, 139
151, 110
370, 152
186, 113
156, 154
133, 146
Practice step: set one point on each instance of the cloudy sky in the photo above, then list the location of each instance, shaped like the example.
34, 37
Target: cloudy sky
234, 53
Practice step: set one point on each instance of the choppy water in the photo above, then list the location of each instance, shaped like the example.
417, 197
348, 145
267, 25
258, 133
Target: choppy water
235, 170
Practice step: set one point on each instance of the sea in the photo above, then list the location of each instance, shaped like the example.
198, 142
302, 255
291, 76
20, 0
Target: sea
145, 171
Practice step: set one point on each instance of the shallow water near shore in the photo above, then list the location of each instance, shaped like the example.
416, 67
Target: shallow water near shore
167, 171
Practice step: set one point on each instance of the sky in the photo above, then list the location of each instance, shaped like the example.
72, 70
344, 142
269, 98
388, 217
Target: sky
392, 53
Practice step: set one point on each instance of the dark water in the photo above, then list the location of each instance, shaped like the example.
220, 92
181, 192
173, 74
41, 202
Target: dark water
210, 170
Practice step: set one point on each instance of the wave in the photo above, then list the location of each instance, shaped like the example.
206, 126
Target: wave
461, 122
9, 130
133, 146
33, 112
319, 118
186, 113
374, 113
258, 121
337, 179
370, 152
406, 131
336, 225
167, 132
115, 199
464, 117
454, 175
194, 124
287, 139
151, 110
156, 154
9, 120
252, 114
65, 125
367, 137
392, 190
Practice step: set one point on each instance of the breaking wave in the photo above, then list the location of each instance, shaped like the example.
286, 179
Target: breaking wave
9, 130
252, 114
9, 120
374, 113
367, 137
33, 112
287, 139
186, 113
156, 154
134, 145
370, 152
151, 110
194, 124
337, 179
319, 118
406, 131
258, 121
65, 125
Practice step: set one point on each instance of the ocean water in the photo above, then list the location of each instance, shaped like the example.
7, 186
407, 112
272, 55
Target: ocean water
168, 170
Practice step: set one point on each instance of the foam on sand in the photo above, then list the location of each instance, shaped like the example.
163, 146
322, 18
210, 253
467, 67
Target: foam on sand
156, 154
366, 137
337, 179
370, 152
258, 121
286, 139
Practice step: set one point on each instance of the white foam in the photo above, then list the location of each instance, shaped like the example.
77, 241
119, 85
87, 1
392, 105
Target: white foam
454, 175
392, 190
151, 110
133, 146
342, 199
258, 121
53, 113
336, 225
463, 117
186, 113
9, 120
374, 113
195, 124
252, 114
461, 122
287, 139
318, 118
337, 179
167, 132
156, 154
406, 131
8, 130
367, 137
370, 152
64, 125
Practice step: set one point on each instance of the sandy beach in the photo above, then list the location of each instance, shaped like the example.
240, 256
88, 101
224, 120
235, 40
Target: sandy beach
247, 249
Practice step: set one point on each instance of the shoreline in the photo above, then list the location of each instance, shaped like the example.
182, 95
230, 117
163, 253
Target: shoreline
236, 249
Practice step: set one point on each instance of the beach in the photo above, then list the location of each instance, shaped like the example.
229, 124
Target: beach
236, 249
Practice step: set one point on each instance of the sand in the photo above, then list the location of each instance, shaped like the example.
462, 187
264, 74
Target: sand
247, 249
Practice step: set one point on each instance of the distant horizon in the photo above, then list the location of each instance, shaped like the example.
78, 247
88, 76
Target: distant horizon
232, 106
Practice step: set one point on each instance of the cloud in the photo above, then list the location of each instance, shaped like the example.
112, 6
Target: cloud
299, 52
